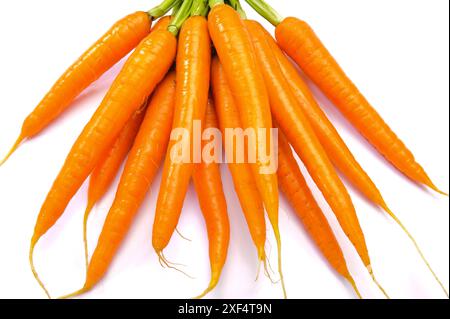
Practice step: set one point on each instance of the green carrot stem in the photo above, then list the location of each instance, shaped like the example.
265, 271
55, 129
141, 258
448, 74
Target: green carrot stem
199, 8
182, 15
236, 4
163, 8
213, 3
266, 11
205, 11
176, 8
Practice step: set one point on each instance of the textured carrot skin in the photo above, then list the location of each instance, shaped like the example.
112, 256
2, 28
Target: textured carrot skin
193, 73
108, 166
235, 50
124, 36
294, 186
162, 24
142, 72
141, 167
294, 123
244, 182
208, 185
334, 145
300, 42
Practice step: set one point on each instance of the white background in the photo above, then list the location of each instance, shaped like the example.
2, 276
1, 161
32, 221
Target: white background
396, 51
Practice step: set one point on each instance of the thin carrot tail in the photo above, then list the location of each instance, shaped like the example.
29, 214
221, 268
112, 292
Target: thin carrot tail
182, 236
395, 218
13, 149
89, 208
431, 185
354, 286
280, 268
258, 271
33, 269
75, 294
213, 283
267, 270
261, 253
262, 260
369, 268
165, 263
206, 292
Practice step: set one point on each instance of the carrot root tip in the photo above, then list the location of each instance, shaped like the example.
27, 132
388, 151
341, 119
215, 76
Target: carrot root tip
355, 287
416, 245
89, 208
33, 269
280, 268
369, 268
267, 271
258, 271
206, 292
13, 149
165, 263
75, 294
181, 235
431, 185
171, 263
213, 283
262, 259
440, 192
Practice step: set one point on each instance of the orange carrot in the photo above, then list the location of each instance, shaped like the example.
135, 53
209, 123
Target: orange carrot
244, 182
124, 36
144, 69
300, 42
141, 167
298, 130
208, 185
162, 24
235, 50
106, 170
334, 145
327, 134
294, 186
193, 69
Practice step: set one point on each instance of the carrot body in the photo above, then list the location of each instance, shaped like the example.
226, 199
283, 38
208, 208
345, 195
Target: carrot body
236, 52
300, 42
294, 186
142, 72
334, 145
124, 36
327, 134
162, 24
244, 182
193, 69
105, 171
108, 167
208, 185
299, 132
141, 167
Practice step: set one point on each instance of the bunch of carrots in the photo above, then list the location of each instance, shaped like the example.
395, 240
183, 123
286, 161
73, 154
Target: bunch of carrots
205, 61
